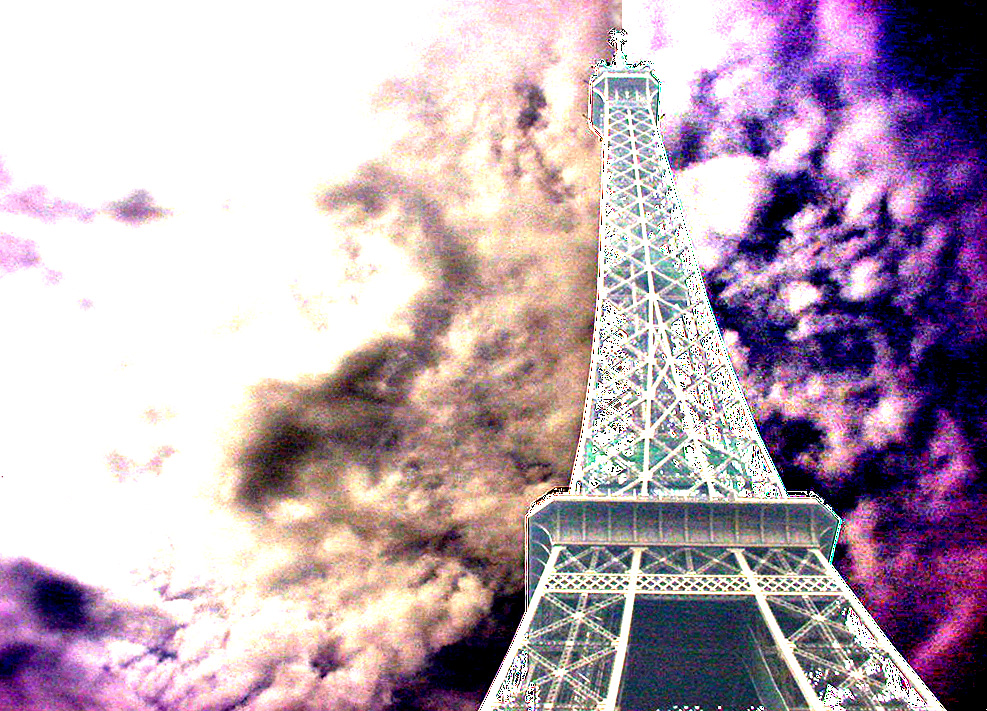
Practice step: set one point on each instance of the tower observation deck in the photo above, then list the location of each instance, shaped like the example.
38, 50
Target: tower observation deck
675, 573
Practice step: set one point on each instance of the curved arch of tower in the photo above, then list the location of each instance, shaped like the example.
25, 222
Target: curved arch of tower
675, 573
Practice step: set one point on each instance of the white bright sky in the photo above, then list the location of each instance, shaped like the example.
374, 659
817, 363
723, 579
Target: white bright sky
232, 115
196, 101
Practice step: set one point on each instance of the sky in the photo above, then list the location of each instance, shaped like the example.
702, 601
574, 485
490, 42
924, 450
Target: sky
296, 304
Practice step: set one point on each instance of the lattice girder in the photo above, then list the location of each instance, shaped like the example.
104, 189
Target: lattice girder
826, 652
664, 415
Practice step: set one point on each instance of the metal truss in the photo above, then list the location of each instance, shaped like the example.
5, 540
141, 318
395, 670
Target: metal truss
676, 573
819, 646
564, 654
665, 415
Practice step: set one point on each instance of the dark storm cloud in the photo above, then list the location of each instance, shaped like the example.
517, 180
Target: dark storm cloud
14, 658
48, 625
137, 209
857, 301
935, 51
534, 103
440, 251
59, 603
360, 414
456, 672
351, 415
55, 602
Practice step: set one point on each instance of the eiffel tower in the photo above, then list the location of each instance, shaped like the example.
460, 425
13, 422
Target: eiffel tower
676, 573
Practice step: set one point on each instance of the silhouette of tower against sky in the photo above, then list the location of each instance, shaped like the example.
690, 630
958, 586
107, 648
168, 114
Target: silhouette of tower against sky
676, 572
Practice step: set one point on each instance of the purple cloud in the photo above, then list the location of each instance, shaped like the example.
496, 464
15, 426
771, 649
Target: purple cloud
137, 208
17, 254
36, 202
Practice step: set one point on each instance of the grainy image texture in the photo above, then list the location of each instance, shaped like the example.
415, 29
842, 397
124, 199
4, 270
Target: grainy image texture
296, 308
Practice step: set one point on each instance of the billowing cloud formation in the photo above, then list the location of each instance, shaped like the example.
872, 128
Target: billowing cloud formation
368, 519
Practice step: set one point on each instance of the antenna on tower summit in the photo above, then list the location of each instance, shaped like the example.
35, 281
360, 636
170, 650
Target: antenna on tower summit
618, 38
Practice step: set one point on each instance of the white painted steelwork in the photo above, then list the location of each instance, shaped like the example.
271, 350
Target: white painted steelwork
676, 573
665, 415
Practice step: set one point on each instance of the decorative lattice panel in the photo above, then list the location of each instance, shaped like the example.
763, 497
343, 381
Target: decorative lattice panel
594, 559
848, 667
566, 659
689, 560
664, 415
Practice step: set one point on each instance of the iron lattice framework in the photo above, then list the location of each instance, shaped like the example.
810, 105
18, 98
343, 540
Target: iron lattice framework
676, 573
665, 415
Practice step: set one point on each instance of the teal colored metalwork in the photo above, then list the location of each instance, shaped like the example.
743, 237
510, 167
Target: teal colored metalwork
665, 415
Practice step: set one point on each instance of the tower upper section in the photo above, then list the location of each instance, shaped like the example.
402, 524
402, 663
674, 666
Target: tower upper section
665, 415
617, 82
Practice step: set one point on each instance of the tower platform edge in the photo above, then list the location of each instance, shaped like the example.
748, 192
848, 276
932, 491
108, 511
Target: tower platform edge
560, 518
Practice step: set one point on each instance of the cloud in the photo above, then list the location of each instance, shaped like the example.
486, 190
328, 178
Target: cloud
404, 474
367, 515
136, 209
38, 203
919, 557
17, 254
730, 189
49, 658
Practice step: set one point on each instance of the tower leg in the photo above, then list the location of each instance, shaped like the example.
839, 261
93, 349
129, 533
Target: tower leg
513, 676
919, 695
625, 632
782, 644
563, 657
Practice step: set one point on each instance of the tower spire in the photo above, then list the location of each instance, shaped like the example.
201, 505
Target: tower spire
618, 38
676, 573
